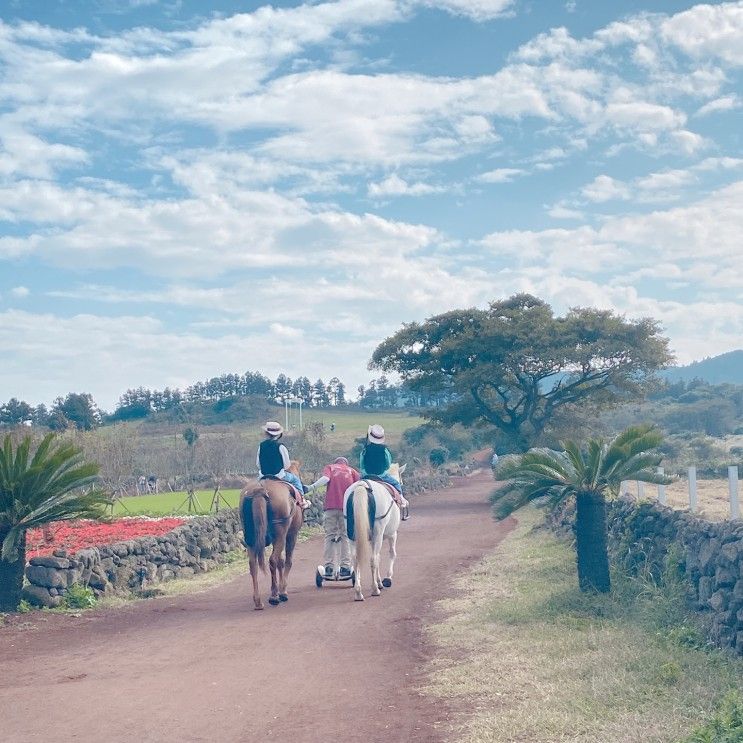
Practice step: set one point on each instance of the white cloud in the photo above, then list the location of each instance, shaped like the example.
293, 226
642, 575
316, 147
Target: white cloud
393, 185
724, 103
605, 188
478, 10
708, 31
500, 175
559, 211
665, 180
20, 291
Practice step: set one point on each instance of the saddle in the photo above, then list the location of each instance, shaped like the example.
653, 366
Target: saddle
393, 491
298, 497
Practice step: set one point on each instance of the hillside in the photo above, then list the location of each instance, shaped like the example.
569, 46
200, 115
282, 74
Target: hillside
725, 368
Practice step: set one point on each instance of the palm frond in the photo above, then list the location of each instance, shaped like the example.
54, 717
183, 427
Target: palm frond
47, 487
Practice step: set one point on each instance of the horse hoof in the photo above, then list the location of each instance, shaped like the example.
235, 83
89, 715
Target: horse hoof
358, 598
387, 582
259, 608
283, 597
273, 601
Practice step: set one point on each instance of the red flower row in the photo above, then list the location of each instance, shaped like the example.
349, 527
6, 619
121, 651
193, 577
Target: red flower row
76, 535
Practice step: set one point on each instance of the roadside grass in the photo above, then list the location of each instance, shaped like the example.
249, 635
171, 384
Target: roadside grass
526, 657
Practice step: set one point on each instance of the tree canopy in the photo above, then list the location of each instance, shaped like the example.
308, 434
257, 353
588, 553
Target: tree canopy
515, 364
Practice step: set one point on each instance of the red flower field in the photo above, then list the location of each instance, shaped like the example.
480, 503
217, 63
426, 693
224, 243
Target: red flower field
76, 535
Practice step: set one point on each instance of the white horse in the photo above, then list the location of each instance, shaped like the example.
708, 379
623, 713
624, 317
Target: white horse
370, 537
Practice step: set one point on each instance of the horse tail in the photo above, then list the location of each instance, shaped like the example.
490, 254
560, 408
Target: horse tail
361, 527
260, 527
254, 520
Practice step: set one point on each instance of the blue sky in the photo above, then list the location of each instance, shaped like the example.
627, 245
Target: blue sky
185, 193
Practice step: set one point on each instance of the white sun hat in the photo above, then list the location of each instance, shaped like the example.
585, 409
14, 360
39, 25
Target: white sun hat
376, 434
272, 428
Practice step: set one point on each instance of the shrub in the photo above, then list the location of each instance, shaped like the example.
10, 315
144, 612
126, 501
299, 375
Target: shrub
726, 725
437, 456
79, 597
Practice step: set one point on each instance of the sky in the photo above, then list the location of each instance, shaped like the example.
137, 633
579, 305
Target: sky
185, 193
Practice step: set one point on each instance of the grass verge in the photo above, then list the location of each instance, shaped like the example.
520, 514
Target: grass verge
526, 657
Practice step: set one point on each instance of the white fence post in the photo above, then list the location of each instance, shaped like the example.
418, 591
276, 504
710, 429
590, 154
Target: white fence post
693, 489
661, 489
733, 487
640, 490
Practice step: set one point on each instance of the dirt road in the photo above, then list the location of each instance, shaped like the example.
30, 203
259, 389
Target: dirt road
206, 667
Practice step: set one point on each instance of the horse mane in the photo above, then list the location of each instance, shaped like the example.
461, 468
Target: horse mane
395, 471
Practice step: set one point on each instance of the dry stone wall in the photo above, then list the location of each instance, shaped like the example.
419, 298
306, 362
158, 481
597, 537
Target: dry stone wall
710, 555
194, 547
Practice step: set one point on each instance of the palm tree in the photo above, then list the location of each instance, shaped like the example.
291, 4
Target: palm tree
36, 490
588, 476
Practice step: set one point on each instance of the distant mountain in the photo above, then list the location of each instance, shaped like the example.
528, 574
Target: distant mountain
727, 367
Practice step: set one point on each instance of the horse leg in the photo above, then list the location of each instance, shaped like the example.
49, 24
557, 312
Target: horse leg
377, 538
253, 561
291, 541
357, 574
276, 564
387, 582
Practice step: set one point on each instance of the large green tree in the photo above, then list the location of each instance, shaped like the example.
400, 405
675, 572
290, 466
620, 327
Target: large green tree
587, 475
52, 483
515, 365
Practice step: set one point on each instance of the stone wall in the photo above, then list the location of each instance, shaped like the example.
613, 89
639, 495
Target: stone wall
197, 546
709, 554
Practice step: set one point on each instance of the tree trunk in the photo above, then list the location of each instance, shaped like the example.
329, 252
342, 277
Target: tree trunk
591, 543
11, 576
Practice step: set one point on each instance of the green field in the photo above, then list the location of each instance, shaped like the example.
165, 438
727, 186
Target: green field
170, 503
351, 424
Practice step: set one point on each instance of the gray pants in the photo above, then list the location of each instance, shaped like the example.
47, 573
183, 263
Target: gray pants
336, 540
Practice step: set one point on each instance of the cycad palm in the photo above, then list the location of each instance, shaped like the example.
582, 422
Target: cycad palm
36, 489
588, 475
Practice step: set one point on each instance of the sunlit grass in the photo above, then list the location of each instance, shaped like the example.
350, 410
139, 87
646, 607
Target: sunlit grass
527, 657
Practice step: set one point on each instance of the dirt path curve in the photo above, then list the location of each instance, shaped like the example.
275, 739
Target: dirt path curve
206, 667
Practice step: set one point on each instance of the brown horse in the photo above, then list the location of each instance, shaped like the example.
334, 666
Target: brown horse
268, 508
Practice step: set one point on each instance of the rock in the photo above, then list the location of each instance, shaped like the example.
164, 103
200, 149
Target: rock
88, 557
121, 577
706, 585
719, 601
707, 556
730, 552
73, 576
47, 577
40, 596
60, 553
98, 580
738, 590
725, 577
61, 563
